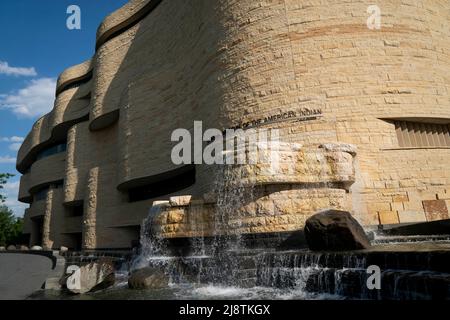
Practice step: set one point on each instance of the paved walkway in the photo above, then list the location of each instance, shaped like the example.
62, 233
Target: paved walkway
22, 274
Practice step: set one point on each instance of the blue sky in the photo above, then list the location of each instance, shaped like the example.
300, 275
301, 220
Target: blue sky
36, 46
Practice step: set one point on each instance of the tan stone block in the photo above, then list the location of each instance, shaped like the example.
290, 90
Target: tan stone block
180, 200
380, 206
392, 184
400, 198
284, 207
408, 183
413, 206
411, 216
413, 195
379, 184
388, 217
265, 207
443, 195
175, 216
397, 206
162, 203
427, 195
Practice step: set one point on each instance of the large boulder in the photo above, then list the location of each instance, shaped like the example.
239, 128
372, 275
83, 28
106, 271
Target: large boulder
36, 248
92, 277
22, 248
148, 278
11, 248
2, 248
335, 230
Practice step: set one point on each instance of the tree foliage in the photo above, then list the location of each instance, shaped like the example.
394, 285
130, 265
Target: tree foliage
3, 179
10, 226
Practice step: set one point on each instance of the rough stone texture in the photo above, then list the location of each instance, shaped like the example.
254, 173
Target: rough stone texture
435, 210
340, 147
96, 275
90, 219
300, 166
180, 200
388, 217
148, 278
49, 169
47, 241
251, 60
74, 73
334, 230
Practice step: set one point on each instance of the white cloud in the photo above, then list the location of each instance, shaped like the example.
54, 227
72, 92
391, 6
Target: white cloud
16, 142
15, 146
7, 159
12, 139
11, 191
34, 100
5, 68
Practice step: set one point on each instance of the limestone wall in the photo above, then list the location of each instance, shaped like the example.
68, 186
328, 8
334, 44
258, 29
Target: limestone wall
70, 106
24, 194
37, 209
161, 65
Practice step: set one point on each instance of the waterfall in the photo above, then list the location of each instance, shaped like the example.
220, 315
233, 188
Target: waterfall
222, 265
152, 247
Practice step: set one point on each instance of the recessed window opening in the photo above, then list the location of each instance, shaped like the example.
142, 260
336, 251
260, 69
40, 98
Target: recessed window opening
163, 187
62, 147
417, 134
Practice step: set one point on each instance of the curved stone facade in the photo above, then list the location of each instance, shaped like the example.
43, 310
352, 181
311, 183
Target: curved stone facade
161, 65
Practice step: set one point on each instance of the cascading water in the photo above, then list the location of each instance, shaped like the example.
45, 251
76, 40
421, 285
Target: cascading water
223, 268
227, 240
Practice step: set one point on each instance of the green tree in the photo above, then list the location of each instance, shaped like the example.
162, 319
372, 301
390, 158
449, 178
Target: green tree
3, 179
10, 226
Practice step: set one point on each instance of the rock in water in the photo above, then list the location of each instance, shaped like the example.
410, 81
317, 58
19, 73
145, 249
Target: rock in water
335, 230
148, 278
92, 277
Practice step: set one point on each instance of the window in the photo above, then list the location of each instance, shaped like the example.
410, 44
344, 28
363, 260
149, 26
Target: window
41, 194
416, 134
163, 187
76, 210
62, 147
58, 185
